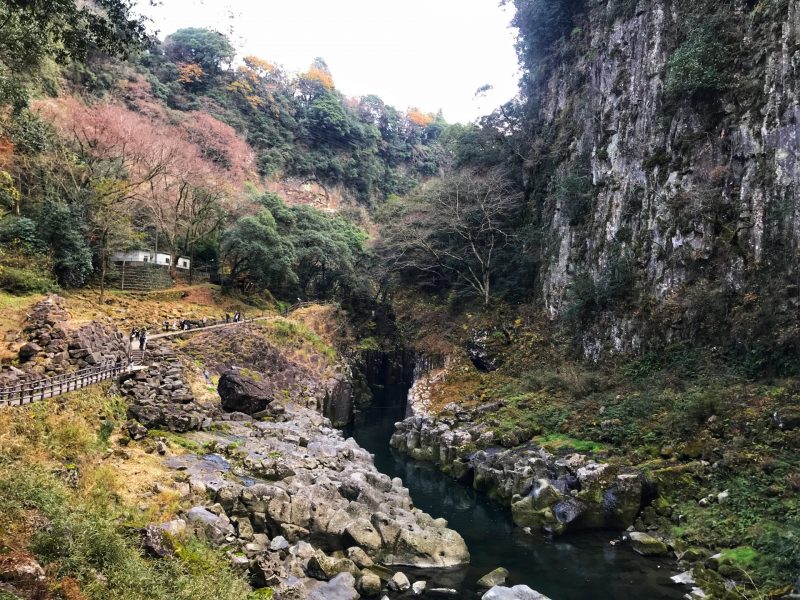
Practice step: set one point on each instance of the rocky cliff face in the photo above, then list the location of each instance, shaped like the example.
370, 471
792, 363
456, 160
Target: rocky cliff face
691, 214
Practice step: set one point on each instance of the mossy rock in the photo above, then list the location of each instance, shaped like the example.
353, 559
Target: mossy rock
426, 454
525, 514
678, 481
647, 545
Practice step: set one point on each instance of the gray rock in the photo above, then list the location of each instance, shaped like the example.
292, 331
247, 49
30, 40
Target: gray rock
493, 578
278, 543
214, 528
418, 587
341, 587
156, 542
518, 592
399, 582
28, 351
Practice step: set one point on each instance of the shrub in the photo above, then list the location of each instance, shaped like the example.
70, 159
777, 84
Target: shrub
19, 233
25, 281
587, 296
572, 189
698, 66
85, 541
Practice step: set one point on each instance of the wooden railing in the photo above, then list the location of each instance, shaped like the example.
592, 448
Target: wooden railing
25, 393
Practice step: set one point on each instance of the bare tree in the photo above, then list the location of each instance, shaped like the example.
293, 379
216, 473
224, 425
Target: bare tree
456, 229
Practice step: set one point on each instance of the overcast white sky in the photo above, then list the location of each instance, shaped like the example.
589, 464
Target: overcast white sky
433, 54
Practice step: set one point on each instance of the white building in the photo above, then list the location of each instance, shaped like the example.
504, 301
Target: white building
140, 257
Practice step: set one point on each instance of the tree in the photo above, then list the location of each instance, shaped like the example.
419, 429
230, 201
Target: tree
256, 253
455, 231
207, 49
63, 228
32, 31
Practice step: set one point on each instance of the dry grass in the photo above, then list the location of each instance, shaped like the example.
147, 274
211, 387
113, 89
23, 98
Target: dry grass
81, 431
127, 309
329, 322
12, 316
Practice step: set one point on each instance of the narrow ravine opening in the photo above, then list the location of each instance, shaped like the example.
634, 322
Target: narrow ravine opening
573, 567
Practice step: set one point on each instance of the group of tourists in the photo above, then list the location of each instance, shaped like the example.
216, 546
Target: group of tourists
186, 324
140, 336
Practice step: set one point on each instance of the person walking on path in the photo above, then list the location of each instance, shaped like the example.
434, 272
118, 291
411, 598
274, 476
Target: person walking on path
204, 321
227, 317
134, 335
142, 339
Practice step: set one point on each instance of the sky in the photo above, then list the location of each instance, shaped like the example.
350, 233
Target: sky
430, 54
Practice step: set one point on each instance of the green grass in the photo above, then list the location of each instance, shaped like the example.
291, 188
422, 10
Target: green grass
286, 333
85, 539
175, 439
558, 442
743, 556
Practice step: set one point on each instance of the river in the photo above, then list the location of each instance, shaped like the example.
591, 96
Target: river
574, 567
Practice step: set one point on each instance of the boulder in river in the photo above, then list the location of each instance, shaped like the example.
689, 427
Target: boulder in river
493, 578
370, 585
399, 582
646, 544
518, 592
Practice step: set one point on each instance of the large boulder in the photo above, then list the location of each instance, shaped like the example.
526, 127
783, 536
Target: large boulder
341, 587
518, 592
646, 544
240, 393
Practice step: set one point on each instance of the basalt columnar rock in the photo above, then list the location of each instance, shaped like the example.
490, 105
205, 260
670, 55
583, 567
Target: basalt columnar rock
159, 397
307, 507
557, 494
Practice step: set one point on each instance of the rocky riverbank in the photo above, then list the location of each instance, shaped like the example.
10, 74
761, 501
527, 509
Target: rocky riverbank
556, 494
301, 509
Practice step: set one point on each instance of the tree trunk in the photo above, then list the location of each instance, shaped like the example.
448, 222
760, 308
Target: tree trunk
191, 265
102, 268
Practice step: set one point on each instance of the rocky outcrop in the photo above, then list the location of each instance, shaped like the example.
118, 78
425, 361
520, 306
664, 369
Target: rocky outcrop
689, 197
272, 374
304, 481
304, 510
556, 494
159, 397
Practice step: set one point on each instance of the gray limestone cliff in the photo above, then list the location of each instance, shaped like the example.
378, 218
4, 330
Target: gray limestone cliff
664, 211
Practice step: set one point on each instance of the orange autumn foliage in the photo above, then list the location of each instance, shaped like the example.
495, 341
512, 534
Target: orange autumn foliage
419, 118
259, 65
317, 75
189, 73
